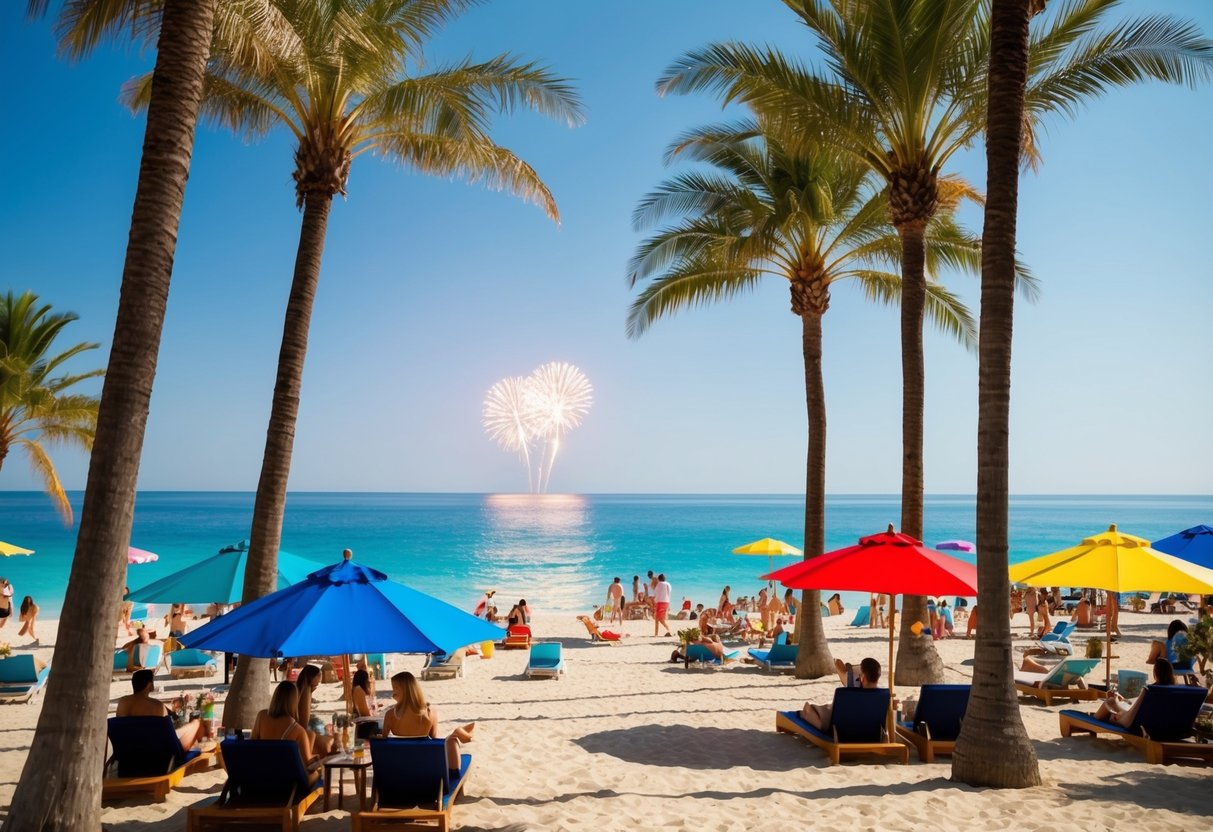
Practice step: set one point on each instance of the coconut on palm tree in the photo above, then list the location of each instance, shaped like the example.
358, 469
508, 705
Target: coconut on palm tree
37, 408
902, 88
812, 217
349, 85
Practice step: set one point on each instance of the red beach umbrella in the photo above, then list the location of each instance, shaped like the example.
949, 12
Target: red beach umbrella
891, 563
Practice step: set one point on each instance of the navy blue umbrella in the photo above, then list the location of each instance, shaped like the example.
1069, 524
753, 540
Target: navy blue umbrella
341, 609
1195, 545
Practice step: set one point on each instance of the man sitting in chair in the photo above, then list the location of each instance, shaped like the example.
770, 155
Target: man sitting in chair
821, 716
141, 703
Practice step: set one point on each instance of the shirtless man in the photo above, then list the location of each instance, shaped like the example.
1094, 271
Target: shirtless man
821, 717
615, 601
141, 703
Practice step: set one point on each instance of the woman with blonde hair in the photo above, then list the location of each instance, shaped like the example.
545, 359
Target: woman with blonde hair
414, 718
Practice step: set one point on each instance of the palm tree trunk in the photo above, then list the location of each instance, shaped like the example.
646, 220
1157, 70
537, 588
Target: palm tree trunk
60, 785
918, 661
813, 658
250, 685
993, 706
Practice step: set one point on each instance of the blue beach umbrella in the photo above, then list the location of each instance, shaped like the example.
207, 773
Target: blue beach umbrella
218, 579
342, 609
1195, 545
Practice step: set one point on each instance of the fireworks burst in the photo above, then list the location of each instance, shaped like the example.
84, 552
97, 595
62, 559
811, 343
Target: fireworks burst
534, 413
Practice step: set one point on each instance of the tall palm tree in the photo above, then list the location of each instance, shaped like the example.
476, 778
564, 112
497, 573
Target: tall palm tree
993, 709
903, 89
348, 86
36, 407
812, 218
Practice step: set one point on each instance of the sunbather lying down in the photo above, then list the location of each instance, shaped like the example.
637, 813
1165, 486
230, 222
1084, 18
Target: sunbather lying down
821, 717
1030, 664
711, 642
1115, 708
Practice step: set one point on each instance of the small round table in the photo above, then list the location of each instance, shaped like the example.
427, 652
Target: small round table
342, 763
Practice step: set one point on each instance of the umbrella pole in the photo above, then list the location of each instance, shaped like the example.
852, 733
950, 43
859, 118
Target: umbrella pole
347, 686
1107, 676
892, 615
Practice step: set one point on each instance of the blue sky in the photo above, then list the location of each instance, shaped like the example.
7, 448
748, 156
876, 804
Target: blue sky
433, 290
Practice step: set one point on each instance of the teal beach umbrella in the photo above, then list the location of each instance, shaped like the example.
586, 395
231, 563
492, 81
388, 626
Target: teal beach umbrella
218, 579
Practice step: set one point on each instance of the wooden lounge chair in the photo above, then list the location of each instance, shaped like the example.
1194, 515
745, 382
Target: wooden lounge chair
412, 785
20, 678
700, 656
189, 663
1161, 726
597, 635
148, 758
517, 637
545, 660
152, 653
780, 657
1058, 683
443, 666
266, 784
858, 726
936, 722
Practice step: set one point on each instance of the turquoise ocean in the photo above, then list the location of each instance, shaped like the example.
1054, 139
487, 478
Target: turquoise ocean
558, 551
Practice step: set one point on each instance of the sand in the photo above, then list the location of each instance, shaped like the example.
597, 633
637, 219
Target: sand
627, 741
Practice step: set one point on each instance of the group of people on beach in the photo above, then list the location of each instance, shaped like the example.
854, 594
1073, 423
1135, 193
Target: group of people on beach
649, 598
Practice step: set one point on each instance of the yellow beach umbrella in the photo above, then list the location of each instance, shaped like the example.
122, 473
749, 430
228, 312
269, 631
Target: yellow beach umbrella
1114, 562
8, 549
770, 547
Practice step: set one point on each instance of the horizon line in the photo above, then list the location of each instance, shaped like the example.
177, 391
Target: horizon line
78, 492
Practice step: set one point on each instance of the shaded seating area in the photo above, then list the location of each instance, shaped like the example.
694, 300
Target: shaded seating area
936, 722
413, 785
20, 678
266, 784
1059, 683
858, 726
545, 660
1161, 727
517, 637
781, 657
147, 758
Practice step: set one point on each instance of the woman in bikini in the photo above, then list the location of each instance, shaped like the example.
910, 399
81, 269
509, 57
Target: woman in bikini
307, 682
414, 718
278, 721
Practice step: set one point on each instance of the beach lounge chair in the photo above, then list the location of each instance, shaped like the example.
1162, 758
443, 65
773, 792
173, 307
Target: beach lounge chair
862, 616
859, 726
20, 679
1160, 728
1058, 683
412, 785
700, 656
147, 758
266, 783
189, 663
517, 637
151, 658
443, 666
779, 657
545, 660
1057, 641
936, 722
597, 634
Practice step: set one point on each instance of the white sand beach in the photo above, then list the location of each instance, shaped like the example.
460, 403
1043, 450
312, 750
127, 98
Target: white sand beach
627, 741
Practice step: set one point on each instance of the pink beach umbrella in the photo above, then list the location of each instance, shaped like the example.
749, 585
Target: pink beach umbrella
134, 555
956, 546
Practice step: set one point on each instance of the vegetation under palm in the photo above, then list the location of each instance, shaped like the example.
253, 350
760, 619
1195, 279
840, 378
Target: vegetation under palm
36, 408
903, 89
812, 218
347, 85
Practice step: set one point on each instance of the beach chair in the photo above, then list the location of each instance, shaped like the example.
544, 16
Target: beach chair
545, 660
597, 635
152, 655
780, 657
517, 637
936, 722
1058, 683
858, 726
266, 784
1058, 640
147, 758
863, 615
189, 663
700, 656
443, 666
20, 679
412, 785
1161, 726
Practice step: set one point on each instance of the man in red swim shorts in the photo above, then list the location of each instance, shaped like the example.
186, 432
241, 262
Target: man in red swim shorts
661, 605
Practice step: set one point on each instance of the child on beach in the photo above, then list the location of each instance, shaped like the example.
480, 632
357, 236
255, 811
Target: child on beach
29, 615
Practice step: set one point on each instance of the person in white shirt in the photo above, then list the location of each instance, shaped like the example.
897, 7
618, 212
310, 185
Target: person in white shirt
661, 605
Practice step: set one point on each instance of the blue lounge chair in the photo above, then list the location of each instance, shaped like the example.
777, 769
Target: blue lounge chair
443, 666
545, 660
1058, 640
863, 615
1058, 683
700, 655
151, 658
1161, 726
266, 783
412, 784
779, 657
936, 722
859, 721
187, 663
20, 678
147, 757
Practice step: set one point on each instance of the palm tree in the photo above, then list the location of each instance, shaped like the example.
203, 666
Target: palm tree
349, 86
60, 786
812, 218
993, 709
903, 89
36, 409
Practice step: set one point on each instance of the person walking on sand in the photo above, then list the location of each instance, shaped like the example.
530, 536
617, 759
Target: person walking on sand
29, 617
661, 604
615, 601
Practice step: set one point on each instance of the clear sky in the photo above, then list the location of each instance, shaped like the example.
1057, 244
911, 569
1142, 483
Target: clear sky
433, 290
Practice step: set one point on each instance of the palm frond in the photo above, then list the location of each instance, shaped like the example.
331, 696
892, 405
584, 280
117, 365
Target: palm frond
693, 285
40, 461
